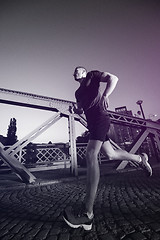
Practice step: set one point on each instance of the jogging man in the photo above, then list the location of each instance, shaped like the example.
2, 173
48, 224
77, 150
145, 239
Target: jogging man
94, 105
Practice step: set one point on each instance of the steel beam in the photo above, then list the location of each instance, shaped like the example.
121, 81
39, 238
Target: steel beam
31, 136
20, 170
135, 147
31, 100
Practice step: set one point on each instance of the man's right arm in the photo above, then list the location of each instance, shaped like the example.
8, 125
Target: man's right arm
77, 109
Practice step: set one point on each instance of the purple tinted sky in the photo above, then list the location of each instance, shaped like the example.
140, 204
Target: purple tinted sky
42, 41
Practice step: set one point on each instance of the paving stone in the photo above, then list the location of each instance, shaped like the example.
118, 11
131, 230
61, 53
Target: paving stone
147, 219
53, 237
11, 224
26, 228
122, 222
7, 237
55, 230
107, 236
4, 223
64, 236
3, 232
76, 238
77, 232
18, 227
128, 229
90, 235
152, 236
31, 234
47, 225
155, 226
101, 227
143, 228
38, 225
137, 236
135, 222
42, 234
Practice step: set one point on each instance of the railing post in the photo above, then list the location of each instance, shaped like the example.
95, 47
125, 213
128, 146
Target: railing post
20, 155
72, 144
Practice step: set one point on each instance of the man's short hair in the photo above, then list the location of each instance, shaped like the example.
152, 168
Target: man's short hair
81, 68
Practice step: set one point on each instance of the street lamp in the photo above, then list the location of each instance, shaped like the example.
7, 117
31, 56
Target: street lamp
139, 102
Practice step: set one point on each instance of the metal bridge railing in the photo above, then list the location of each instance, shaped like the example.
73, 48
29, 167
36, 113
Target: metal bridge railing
41, 155
46, 154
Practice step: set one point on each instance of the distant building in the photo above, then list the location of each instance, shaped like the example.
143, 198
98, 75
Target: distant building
123, 110
124, 134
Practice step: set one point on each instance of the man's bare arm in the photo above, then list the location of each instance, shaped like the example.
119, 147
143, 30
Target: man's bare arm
111, 81
77, 109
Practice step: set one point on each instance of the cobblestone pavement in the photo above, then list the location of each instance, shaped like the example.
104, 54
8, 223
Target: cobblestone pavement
127, 207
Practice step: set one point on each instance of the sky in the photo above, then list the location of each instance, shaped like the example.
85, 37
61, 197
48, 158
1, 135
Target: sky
42, 41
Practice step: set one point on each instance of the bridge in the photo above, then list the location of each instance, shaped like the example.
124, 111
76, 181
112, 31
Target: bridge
63, 108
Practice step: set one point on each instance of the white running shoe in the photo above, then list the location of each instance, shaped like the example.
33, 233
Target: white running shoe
75, 221
144, 164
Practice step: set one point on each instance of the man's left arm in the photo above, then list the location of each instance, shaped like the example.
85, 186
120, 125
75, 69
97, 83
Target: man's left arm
111, 81
77, 109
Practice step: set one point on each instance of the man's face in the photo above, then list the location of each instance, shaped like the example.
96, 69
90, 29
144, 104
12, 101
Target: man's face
79, 73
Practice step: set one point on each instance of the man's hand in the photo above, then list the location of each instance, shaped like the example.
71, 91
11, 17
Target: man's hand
77, 110
104, 102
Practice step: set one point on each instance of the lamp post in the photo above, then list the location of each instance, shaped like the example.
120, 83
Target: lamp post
139, 102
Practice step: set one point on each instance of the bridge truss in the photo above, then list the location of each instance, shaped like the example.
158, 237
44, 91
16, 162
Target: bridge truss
63, 108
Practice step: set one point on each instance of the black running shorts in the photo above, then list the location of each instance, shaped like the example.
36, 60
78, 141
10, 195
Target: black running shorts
98, 124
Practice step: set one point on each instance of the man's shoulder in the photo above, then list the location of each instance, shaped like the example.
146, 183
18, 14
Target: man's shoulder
94, 74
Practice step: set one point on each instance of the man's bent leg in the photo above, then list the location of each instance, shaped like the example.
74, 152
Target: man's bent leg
119, 154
